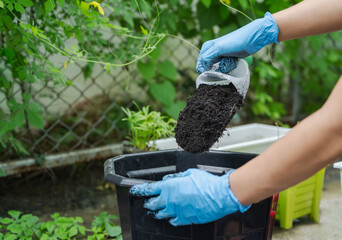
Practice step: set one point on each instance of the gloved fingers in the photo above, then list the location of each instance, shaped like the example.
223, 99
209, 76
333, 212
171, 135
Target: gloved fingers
162, 214
155, 203
192, 171
210, 57
173, 175
177, 175
146, 189
177, 222
199, 66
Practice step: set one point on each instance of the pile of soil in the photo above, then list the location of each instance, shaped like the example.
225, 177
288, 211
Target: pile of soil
206, 115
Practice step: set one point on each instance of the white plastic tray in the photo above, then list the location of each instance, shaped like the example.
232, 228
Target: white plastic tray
251, 138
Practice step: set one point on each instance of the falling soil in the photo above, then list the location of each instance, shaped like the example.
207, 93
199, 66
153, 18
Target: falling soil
206, 115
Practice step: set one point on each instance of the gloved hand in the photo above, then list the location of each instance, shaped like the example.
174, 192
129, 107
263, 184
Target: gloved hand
241, 43
191, 197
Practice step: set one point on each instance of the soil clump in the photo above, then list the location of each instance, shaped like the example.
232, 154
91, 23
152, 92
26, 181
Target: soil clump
206, 115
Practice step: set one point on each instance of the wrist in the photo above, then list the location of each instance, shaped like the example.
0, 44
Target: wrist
270, 29
242, 208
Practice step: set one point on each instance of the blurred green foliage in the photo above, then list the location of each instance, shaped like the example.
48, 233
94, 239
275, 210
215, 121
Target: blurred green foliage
27, 226
314, 62
31, 30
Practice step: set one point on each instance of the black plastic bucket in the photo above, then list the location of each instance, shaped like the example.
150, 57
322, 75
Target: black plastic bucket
128, 170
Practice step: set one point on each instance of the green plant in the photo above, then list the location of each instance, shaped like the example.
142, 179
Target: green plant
31, 31
28, 26
28, 226
146, 126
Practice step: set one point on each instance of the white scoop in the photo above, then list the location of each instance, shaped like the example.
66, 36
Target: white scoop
239, 77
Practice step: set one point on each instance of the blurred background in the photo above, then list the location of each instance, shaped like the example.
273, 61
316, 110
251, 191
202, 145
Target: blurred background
52, 103
68, 67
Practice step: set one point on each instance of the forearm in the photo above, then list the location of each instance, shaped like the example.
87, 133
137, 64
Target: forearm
309, 17
309, 147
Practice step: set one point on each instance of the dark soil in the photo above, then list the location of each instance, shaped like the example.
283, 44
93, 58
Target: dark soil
206, 115
76, 190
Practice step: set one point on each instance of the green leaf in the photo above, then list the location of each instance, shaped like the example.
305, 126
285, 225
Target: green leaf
73, 231
164, 93
2, 173
244, 4
107, 67
224, 12
208, 17
167, 69
18, 118
144, 31
34, 30
9, 53
11, 237
15, 228
75, 48
22, 73
174, 109
113, 231
18, 7
40, 75
206, 3
61, 2
82, 229
34, 115
9, 126
45, 237
30, 78
147, 70
49, 6
146, 8
87, 70
30, 218
207, 34
10, 6
26, 3
128, 18
1, 4
6, 220
42, 35
155, 53
14, 214
84, 6
26, 27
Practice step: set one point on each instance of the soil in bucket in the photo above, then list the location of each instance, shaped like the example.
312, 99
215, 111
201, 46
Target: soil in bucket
206, 115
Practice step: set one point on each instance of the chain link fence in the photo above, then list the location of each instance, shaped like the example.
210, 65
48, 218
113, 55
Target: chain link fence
88, 113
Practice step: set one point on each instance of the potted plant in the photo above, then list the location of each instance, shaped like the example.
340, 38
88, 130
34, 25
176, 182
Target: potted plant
145, 127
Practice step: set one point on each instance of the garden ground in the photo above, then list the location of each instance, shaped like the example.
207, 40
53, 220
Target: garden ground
81, 191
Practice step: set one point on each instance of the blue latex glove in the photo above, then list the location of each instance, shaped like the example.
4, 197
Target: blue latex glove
191, 197
241, 43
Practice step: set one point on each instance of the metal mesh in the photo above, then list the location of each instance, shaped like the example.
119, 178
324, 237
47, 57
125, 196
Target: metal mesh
88, 113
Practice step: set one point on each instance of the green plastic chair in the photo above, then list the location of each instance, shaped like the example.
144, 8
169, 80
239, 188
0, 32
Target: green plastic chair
300, 200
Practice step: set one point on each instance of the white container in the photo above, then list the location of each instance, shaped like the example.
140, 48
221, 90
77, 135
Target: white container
249, 138
338, 165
